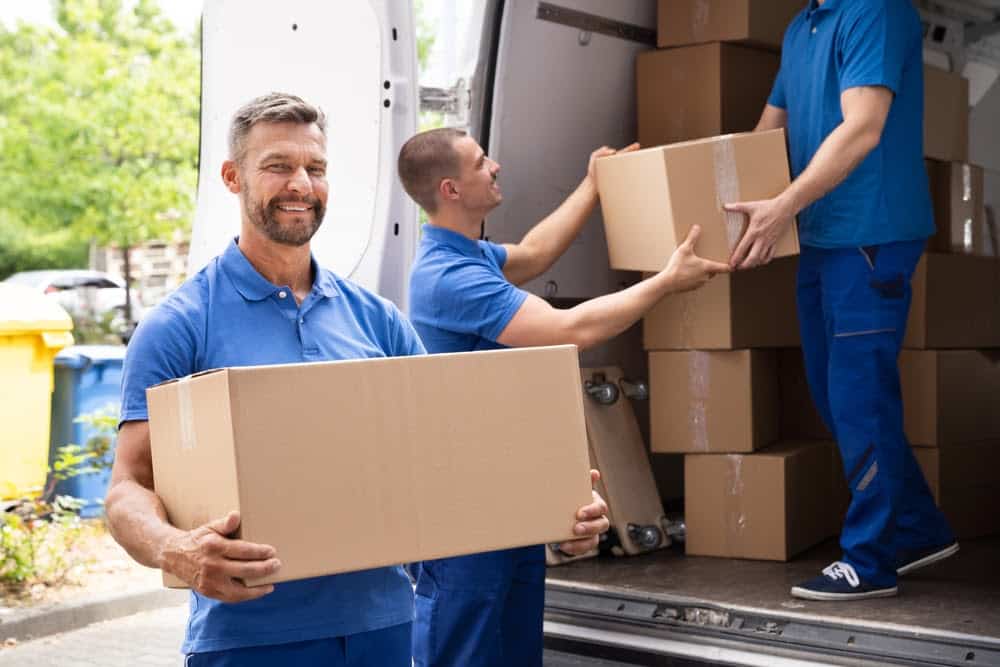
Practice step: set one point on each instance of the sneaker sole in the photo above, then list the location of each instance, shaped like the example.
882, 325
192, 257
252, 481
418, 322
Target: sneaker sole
806, 594
950, 550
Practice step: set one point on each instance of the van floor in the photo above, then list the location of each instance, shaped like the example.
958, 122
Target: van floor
960, 594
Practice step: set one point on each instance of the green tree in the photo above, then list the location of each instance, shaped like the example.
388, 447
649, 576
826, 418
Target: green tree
99, 124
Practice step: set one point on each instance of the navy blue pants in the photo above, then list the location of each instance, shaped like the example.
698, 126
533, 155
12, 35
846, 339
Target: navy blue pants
481, 610
388, 647
853, 304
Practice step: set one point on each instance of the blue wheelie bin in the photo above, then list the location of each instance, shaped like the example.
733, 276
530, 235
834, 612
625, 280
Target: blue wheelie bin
87, 381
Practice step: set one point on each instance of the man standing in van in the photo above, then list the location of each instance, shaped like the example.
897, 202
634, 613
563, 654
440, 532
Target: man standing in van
487, 609
264, 300
850, 94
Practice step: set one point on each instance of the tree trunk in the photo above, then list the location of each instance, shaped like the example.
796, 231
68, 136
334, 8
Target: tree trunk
127, 267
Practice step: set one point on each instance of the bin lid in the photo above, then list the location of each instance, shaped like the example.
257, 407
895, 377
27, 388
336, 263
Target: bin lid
81, 356
25, 311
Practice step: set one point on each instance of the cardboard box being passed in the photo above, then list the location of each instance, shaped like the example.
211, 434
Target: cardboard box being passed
761, 22
746, 309
652, 197
351, 465
701, 91
720, 402
769, 505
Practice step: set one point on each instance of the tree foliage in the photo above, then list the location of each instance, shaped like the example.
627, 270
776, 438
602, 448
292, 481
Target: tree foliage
98, 124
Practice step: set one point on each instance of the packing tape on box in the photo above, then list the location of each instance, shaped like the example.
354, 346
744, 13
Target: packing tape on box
185, 409
727, 188
699, 384
735, 517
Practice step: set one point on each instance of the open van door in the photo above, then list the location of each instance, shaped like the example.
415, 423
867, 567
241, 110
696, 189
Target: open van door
356, 60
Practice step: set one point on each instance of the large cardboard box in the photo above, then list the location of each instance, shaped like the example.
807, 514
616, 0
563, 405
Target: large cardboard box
350, 465
957, 193
956, 303
718, 402
950, 396
701, 91
946, 115
746, 309
769, 505
965, 481
652, 197
800, 419
761, 22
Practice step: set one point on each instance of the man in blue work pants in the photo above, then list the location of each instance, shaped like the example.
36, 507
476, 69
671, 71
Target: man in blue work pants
850, 94
487, 609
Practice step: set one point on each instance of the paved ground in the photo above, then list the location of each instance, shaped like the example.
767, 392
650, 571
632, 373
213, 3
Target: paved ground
150, 639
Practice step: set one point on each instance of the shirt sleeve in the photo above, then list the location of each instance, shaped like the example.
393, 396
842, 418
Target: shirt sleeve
871, 48
472, 299
777, 96
497, 252
405, 341
162, 348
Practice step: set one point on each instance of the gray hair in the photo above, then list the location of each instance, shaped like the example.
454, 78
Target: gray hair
270, 108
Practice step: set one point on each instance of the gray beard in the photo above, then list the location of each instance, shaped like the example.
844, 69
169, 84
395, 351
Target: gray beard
262, 216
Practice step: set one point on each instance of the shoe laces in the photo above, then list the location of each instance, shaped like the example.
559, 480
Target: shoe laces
842, 570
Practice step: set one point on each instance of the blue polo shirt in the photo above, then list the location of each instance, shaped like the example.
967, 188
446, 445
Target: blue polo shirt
460, 300
230, 315
844, 44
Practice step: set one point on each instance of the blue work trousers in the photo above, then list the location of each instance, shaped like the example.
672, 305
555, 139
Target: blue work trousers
482, 610
853, 305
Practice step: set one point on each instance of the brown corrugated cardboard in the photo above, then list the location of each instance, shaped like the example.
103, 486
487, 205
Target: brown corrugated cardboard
957, 193
956, 303
718, 402
701, 91
350, 465
800, 420
950, 396
965, 481
746, 309
769, 505
652, 197
946, 115
761, 22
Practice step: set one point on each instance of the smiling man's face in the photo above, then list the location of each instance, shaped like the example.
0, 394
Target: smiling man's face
282, 181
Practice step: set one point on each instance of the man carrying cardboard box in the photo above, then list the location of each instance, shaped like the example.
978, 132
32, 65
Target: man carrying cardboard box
487, 609
266, 301
850, 94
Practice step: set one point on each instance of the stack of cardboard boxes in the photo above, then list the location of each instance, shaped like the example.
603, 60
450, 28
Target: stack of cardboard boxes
763, 478
714, 354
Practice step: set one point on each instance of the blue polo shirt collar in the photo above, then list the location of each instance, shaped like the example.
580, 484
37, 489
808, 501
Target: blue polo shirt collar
255, 287
462, 244
815, 7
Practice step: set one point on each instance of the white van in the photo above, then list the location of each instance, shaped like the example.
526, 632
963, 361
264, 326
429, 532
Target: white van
553, 81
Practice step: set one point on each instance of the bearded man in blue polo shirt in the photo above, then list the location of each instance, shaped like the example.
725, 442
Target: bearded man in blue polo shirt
850, 94
487, 609
265, 300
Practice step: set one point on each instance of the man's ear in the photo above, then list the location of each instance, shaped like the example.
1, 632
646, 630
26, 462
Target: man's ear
447, 190
231, 176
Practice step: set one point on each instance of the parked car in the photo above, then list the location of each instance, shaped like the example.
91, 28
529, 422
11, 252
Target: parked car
83, 293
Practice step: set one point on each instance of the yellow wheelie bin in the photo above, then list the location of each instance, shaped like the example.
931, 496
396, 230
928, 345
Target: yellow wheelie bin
32, 331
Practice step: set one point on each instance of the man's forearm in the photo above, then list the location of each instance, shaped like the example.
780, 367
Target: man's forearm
138, 522
604, 317
838, 155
